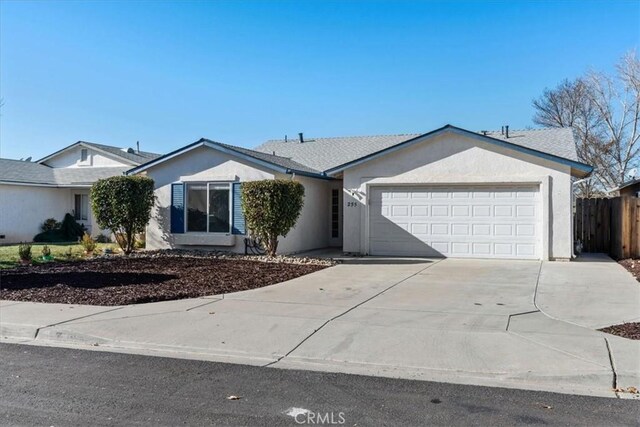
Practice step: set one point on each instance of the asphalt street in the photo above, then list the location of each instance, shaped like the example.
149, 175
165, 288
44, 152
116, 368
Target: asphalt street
60, 387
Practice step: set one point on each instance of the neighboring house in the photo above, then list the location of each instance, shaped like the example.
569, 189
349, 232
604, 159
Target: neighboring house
59, 183
450, 192
629, 188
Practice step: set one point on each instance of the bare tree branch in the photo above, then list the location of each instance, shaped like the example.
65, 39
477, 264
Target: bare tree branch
604, 112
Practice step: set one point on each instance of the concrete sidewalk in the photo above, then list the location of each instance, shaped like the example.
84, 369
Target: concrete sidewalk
500, 323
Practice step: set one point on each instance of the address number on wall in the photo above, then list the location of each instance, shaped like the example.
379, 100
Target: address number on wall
352, 204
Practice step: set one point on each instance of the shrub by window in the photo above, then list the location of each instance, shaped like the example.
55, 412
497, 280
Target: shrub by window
123, 204
271, 209
67, 231
50, 224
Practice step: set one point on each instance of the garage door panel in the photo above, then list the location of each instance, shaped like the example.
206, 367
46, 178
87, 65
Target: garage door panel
474, 221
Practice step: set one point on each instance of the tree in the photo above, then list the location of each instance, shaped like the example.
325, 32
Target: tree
123, 204
604, 112
271, 208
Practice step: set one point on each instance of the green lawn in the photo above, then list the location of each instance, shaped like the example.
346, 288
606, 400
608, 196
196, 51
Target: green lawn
9, 254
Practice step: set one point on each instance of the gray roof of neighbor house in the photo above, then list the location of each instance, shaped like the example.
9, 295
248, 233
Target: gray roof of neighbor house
328, 153
136, 156
21, 172
130, 155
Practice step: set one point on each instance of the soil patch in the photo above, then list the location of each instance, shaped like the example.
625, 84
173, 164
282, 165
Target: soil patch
120, 280
625, 330
633, 265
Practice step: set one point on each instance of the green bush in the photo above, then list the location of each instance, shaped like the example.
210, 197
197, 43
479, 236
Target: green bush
24, 251
123, 205
50, 224
68, 231
271, 208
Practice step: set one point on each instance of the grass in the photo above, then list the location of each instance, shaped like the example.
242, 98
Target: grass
9, 254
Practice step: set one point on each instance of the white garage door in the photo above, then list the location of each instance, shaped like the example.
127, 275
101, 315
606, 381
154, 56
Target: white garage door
463, 222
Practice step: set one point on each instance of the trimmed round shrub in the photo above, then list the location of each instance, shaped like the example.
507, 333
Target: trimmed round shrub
271, 209
123, 205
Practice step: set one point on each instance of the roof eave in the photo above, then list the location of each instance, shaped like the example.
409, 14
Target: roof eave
211, 144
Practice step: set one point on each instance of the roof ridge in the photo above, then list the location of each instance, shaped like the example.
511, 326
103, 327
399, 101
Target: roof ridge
531, 130
24, 161
311, 139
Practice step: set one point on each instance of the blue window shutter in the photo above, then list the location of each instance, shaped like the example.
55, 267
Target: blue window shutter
177, 208
238, 216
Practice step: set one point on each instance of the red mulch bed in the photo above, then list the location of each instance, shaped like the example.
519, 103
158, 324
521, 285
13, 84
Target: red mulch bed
625, 330
121, 280
633, 265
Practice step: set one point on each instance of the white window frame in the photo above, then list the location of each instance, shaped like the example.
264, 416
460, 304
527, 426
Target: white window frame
186, 206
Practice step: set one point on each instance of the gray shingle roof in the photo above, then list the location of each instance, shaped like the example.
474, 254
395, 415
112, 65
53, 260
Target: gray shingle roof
84, 176
557, 141
327, 153
284, 162
25, 172
18, 171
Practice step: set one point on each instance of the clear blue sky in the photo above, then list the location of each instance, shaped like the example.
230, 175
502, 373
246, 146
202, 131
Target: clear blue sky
168, 73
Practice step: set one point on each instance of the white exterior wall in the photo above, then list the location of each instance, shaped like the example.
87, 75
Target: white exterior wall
24, 208
71, 159
313, 229
451, 158
206, 164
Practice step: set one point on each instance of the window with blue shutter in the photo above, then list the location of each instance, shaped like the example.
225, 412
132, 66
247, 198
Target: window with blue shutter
177, 208
238, 225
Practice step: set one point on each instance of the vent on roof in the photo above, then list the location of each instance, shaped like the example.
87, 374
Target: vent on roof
301, 136
131, 150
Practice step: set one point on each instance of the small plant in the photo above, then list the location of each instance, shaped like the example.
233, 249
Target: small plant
69, 254
24, 251
141, 241
88, 243
50, 224
46, 253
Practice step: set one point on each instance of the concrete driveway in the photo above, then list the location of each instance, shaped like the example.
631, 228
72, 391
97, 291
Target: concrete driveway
523, 324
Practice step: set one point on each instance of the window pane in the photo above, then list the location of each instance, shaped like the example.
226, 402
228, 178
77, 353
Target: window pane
219, 209
85, 207
196, 207
83, 155
77, 206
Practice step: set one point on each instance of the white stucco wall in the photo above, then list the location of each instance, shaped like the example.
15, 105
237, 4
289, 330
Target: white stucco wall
205, 164
451, 158
23, 209
71, 159
313, 229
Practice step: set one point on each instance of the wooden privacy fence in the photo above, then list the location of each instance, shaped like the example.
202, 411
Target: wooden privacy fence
611, 226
